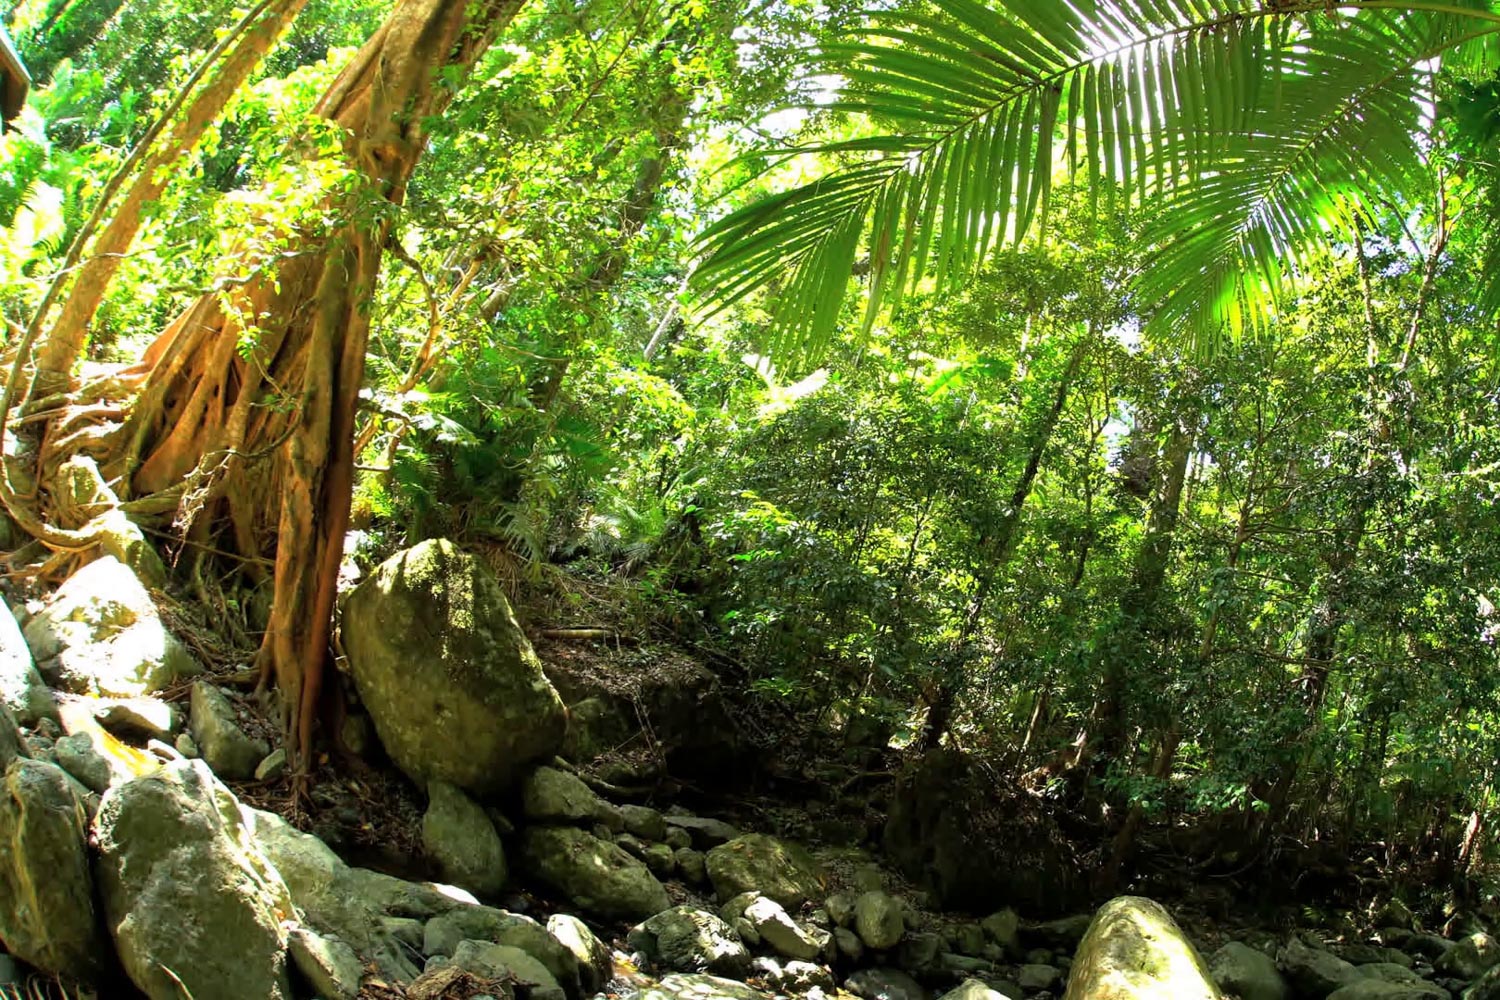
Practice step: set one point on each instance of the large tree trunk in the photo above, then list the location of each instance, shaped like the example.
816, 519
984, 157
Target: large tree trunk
69, 332
262, 442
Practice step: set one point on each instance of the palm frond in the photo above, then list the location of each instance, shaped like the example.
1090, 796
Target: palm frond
1244, 121
1340, 120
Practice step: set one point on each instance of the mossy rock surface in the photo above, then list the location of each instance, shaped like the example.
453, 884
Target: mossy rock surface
451, 683
458, 835
101, 634
195, 908
47, 915
1134, 950
758, 862
596, 875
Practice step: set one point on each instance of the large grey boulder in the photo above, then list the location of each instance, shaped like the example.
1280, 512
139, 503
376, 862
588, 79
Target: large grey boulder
1360, 953
552, 796
327, 964
699, 986
878, 920
1486, 987
596, 875
884, 984
686, 939
593, 956
848, 945
792, 978
1470, 958
1061, 934
22, 689
460, 837
1389, 972
365, 909
758, 862
499, 961
1433, 946
228, 749
138, 718
1314, 971
1034, 976
82, 756
1380, 989
775, 927
1004, 928
705, 831
978, 989
102, 635
449, 679
1395, 913
594, 727
194, 906
445, 933
1134, 949
644, 822
921, 953
12, 743
1248, 974
47, 915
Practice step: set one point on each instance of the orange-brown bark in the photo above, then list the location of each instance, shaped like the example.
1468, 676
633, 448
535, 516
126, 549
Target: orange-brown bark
265, 442
69, 331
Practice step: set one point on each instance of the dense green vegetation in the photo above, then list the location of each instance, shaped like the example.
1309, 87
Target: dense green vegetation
1111, 388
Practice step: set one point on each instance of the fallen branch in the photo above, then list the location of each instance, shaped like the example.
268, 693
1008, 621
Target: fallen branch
589, 635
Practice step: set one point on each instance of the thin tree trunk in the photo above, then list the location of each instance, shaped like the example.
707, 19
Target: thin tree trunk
1166, 755
1000, 546
609, 265
1139, 599
1331, 612
49, 43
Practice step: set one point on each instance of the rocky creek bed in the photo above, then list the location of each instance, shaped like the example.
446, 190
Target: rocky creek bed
130, 866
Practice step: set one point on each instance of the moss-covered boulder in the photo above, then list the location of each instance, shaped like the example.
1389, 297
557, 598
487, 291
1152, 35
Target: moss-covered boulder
47, 916
700, 986
511, 965
443, 935
760, 863
229, 750
879, 920
194, 906
1134, 950
552, 796
458, 835
12, 743
596, 875
593, 956
450, 681
22, 690
1313, 971
102, 634
1471, 958
686, 939
1247, 973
